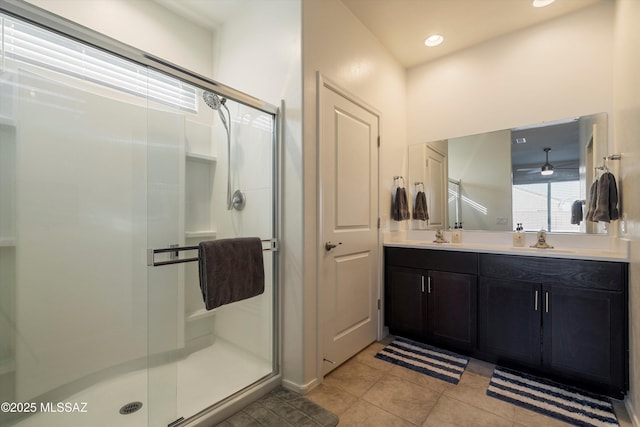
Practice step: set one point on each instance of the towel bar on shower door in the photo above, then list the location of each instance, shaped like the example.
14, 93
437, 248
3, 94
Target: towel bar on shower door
151, 253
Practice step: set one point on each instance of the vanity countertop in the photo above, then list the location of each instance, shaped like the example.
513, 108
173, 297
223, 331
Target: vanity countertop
617, 252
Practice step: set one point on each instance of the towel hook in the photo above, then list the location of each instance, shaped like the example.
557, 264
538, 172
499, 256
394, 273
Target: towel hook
604, 166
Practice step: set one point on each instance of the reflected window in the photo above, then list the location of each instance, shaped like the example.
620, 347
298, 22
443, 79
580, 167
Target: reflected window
545, 206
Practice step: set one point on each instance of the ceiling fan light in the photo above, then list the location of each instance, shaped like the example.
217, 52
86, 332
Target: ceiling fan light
546, 169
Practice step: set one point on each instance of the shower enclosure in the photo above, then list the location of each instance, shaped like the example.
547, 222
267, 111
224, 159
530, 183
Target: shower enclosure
105, 158
455, 201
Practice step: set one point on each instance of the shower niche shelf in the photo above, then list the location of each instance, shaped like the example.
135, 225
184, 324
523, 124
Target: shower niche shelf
197, 157
200, 234
200, 170
7, 242
7, 121
200, 314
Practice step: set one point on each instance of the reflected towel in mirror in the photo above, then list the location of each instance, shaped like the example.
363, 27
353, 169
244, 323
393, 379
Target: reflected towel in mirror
420, 211
576, 212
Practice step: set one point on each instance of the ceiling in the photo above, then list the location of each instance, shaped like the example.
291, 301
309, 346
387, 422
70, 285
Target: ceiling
402, 25
209, 14
562, 137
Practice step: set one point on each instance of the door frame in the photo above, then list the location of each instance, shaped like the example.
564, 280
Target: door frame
323, 82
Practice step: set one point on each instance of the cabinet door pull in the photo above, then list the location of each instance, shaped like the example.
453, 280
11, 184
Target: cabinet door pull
422, 277
535, 301
429, 286
546, 302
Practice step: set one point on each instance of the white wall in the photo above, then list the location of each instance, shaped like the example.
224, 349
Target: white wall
559, 69
488, 187
143, 24
259, 52
627, 142
337, 45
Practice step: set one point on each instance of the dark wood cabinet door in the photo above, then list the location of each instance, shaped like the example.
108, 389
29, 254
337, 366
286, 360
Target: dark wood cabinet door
451, 309
509, 315
405, 303
584, 335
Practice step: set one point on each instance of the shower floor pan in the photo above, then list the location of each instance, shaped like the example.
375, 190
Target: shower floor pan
204, 377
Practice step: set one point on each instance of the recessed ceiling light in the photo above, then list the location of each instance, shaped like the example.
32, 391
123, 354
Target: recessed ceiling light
541, 3
433, 40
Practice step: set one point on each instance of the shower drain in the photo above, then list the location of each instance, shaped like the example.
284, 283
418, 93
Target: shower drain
130, 408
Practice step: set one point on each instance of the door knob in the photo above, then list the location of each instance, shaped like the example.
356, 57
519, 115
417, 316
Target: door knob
328, 246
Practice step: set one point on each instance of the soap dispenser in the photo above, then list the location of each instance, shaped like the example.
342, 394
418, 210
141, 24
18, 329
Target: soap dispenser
519, 236
456, 234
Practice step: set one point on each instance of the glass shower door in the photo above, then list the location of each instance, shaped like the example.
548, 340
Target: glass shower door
199, 358
165, 283
73, 271
101, 159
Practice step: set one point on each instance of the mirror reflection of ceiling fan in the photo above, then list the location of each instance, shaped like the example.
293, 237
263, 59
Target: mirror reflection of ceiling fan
547, 168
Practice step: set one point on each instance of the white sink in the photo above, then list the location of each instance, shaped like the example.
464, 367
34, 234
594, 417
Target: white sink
541, 251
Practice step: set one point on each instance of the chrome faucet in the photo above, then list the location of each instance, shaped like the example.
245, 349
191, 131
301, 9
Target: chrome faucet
541, 242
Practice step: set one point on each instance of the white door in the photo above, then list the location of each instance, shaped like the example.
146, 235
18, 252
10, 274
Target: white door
436, 173
348, 201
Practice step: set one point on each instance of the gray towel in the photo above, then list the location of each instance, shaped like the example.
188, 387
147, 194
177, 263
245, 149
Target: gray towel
420, 207
593, 202
576, 212
607, 205
230, 270
400, 205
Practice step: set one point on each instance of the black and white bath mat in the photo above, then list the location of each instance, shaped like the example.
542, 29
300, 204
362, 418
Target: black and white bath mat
425, 359
547, 397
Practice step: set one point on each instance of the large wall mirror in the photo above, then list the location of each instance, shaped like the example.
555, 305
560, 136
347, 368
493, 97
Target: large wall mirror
492, 181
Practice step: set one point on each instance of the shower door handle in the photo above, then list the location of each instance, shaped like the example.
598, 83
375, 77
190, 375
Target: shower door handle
328, 245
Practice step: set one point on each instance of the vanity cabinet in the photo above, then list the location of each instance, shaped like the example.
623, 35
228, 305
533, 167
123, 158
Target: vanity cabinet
564, 318
432, 298
561, 318
509, 321
406, 305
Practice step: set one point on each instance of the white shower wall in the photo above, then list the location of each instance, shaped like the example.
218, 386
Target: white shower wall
80, 307
252, 173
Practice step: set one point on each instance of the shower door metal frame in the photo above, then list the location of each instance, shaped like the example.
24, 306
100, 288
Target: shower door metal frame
49, 21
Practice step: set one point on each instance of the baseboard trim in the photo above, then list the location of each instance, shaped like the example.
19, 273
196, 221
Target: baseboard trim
300, 388
635, 421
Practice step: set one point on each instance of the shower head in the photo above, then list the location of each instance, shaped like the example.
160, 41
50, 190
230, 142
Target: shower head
213, 100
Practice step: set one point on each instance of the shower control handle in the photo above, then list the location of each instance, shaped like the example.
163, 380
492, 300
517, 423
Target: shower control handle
328, 246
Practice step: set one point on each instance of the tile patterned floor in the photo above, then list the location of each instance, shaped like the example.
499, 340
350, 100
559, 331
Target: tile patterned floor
282, 408
366, 391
